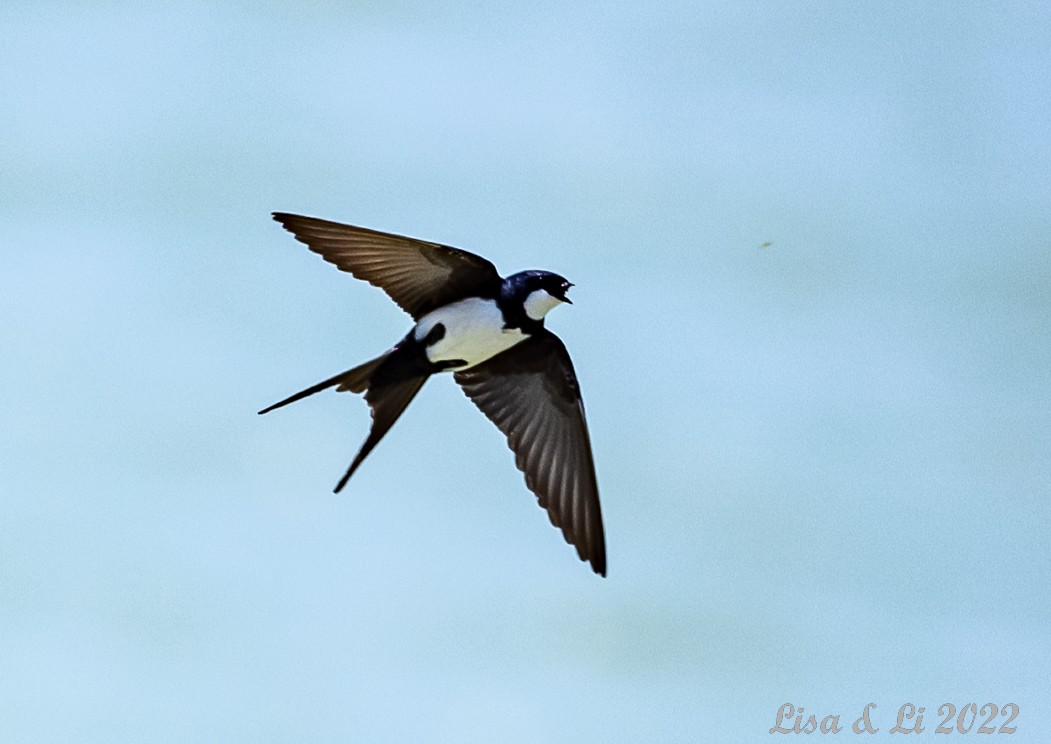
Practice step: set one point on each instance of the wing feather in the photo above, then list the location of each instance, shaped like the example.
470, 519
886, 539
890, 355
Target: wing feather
418, 275
531, 393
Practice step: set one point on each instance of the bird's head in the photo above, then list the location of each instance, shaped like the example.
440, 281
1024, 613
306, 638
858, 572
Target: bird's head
539, 291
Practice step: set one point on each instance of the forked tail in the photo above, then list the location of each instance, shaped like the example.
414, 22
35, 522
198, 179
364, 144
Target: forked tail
389, 382
355, 380
388, 401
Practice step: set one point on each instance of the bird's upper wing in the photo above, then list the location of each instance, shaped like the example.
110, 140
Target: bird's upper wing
530, 392
418, 275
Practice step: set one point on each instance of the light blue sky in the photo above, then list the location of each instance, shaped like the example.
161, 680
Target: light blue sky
825, 465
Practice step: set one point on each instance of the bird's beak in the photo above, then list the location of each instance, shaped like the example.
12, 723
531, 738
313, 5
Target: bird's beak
565, 298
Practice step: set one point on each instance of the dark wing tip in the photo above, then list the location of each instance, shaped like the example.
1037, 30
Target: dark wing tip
598, 564
593, 554
291, 221
590, 546
287, 219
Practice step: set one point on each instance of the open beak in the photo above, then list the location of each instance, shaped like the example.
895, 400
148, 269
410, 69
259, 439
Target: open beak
565, 289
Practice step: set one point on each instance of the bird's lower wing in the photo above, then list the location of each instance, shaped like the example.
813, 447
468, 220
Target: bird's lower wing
530, 392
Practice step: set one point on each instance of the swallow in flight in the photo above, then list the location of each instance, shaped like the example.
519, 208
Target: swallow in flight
489, 332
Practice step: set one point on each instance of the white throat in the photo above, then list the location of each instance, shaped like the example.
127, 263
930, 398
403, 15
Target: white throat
539, 303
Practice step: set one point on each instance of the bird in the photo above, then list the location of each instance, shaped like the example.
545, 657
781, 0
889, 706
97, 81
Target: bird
489, 332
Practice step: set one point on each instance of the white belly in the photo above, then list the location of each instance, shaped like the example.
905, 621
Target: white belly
474, 332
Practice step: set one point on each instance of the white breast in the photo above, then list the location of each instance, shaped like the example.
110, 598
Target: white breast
474, 332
